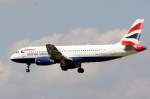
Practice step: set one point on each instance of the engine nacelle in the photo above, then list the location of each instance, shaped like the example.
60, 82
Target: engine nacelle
44, 61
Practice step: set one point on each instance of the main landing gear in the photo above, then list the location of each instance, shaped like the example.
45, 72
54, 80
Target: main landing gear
80, 70
28, 67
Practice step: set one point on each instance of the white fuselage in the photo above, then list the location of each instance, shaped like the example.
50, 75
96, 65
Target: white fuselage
88, 53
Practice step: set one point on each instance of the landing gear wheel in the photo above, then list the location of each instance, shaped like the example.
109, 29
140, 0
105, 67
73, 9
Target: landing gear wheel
64, 68
27, 70
80, 70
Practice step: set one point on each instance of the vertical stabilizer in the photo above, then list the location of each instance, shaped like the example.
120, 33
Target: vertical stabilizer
133, 35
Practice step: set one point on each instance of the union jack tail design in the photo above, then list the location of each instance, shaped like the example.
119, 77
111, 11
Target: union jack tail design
133, 36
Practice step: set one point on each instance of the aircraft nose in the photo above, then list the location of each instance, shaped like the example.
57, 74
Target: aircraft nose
13, 57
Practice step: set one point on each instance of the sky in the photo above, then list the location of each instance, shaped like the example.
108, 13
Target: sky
73, 22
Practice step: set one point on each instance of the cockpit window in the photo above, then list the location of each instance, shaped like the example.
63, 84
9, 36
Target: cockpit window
17, 51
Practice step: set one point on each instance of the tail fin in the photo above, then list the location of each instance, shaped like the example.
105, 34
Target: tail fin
133, 36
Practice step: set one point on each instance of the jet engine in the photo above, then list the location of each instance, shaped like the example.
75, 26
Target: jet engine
44, 61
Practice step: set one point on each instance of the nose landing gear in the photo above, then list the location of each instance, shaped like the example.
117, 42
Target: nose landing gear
28, 67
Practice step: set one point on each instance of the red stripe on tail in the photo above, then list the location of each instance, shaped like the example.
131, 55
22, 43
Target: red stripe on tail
128, 43
137, 47
136, 27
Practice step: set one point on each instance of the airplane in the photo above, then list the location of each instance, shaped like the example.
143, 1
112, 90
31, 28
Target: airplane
71, 57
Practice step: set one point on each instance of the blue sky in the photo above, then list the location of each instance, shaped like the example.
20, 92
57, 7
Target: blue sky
34, 22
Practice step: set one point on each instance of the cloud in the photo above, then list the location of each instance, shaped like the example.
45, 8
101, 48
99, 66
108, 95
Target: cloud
5, 72
114, 79
78, 36
139, 88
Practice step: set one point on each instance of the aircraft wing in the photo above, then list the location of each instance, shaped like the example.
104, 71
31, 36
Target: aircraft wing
65, 62
55, 54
